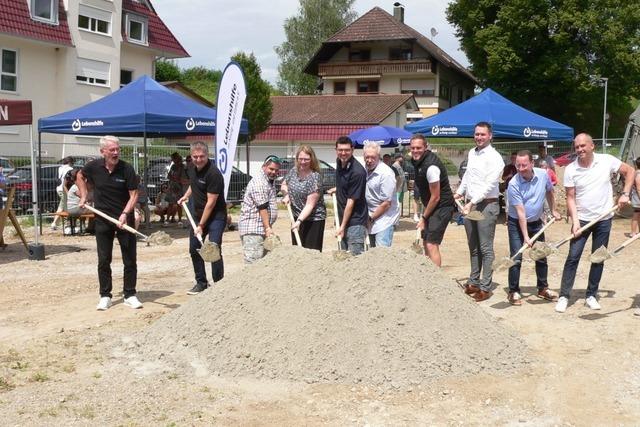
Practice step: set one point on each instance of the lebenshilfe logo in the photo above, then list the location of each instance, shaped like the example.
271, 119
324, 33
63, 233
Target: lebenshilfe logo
190, 124
535, 133
444, 130
77, 124
373, 141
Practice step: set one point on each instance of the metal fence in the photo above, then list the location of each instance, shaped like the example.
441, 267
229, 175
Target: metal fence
159, 161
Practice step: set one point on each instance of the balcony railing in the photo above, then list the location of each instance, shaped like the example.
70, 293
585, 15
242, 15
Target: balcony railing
374, 67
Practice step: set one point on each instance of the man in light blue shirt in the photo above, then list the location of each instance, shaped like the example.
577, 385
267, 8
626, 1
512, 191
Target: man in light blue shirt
526, 194
382, 203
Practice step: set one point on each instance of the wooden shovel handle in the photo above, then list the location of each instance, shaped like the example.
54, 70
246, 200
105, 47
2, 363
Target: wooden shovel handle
535, 237
587, 226
296, 234
334, 198
626, 243
116, 222
191, 221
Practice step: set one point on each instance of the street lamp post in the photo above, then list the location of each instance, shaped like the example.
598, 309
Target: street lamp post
604, 116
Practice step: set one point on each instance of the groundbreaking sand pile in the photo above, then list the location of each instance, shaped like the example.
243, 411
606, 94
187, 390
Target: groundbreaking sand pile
387, 317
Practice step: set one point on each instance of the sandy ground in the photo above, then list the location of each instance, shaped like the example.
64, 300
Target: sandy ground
64, 363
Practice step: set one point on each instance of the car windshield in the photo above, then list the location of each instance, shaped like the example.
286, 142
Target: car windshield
22, 173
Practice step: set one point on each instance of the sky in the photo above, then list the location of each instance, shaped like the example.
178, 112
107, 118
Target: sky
213, 30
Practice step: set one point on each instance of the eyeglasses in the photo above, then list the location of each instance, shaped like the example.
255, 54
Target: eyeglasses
302, 159
272, 159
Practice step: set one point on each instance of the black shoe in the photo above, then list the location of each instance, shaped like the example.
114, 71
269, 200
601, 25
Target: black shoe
197, 288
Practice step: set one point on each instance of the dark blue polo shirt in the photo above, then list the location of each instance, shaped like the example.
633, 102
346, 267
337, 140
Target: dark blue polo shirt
207, 180
351, 182
110, 190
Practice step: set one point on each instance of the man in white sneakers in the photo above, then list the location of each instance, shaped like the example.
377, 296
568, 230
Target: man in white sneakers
587, 181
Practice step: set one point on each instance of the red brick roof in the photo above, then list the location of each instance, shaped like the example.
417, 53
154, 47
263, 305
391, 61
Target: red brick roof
160, 37
307, 132
379, 25
15, 20
336, 109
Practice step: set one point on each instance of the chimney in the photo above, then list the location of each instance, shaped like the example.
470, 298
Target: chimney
398, 11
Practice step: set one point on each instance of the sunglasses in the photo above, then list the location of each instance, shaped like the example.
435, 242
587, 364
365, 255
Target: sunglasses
272, 159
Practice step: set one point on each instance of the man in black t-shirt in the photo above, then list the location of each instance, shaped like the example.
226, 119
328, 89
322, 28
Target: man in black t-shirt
351, 182
206, 185
115, 192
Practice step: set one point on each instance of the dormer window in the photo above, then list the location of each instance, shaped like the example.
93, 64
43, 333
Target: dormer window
137, 29
44, 10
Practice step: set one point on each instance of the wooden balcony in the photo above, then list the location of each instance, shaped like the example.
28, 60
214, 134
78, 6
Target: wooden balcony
374, 67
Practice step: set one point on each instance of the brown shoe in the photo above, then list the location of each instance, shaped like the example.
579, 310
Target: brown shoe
515, 298
470, 289
482, 295
547, 294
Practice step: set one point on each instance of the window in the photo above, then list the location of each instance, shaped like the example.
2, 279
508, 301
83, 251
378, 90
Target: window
92, 72
445, 90
126, 77
418, 87
9, 71
44, 10
398, 53
368, 86
136, 29
460, 95
339, 88
94, 20
359, 55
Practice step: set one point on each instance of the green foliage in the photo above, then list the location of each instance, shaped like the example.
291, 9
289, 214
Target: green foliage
166, 71
316, 21
202, 81
547, 55
257, 108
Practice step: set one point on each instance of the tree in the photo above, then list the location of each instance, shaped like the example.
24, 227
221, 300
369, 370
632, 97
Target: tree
257, 108
548, 55
317, 20
202, 81
167, 70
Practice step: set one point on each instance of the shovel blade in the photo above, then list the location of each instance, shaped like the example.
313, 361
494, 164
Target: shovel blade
272, 242
341, 255
502, 264
600, 255
416, 246
475, 216
541, 250
209, 252
160, 238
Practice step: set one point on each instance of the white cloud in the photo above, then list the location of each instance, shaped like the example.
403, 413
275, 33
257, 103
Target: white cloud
212, 31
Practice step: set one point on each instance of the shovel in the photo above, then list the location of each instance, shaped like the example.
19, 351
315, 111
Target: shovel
542, 249
416, 246
602, 253
296, 233
338, 255
507, 262
209, 251
158, 238
473, 215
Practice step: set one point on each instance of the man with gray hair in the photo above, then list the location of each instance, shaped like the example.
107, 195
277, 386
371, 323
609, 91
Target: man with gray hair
115, 192
380, 193
206, 189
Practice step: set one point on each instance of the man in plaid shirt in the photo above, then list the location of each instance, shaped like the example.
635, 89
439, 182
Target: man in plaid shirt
259, 210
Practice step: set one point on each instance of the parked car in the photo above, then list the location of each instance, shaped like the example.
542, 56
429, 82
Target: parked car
565, 158
22, 180
7, 166
327, 172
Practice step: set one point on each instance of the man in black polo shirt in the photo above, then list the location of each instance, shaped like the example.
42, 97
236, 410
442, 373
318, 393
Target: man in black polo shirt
351, 182
432, 183
115, 192
206, 185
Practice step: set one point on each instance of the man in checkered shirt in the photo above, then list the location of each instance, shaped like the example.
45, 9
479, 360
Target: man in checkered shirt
259, 210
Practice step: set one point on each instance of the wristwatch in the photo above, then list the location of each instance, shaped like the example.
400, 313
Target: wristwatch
625, 193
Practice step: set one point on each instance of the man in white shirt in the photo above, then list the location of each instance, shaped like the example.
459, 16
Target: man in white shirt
66, 166
480, 187
382, 203
587, 181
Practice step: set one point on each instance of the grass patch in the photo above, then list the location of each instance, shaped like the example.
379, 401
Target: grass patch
49, 412
20, 365
69, 368
5, 385
97, 375
39, 377
85, 411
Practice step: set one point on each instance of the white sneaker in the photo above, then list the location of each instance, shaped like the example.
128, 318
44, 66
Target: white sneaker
592, 303
133, 302
637, 312
104, 303
416, 218
562, 304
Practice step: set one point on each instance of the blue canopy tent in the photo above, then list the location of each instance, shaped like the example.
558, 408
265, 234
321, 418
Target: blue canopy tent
143, 108
508, 120
385, 136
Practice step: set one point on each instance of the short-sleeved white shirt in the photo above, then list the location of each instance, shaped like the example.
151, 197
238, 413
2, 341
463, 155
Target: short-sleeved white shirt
594, 193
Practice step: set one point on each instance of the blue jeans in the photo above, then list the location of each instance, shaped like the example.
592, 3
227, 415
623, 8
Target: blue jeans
382, 238
600, 231
214, 233
353, 240
516, 240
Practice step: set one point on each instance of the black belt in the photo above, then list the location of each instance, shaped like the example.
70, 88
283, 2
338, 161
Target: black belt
489, 200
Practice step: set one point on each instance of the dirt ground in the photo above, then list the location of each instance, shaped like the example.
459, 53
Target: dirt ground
64, 363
